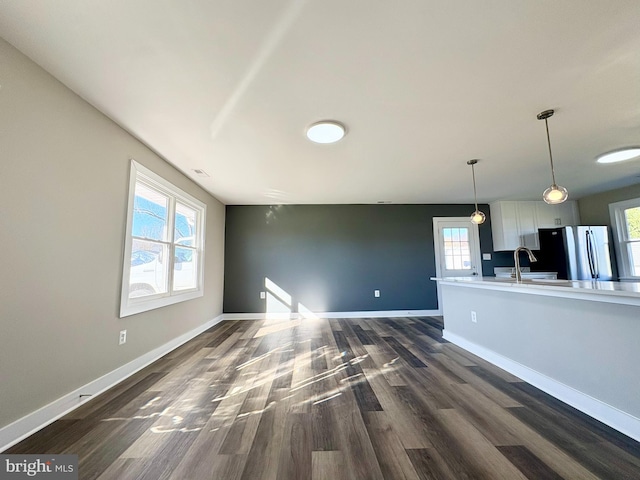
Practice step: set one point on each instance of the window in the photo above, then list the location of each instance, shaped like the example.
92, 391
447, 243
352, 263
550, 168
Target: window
164, 244
457, 250
625, 218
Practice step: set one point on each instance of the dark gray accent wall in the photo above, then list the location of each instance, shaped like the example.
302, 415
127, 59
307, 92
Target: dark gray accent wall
332, 257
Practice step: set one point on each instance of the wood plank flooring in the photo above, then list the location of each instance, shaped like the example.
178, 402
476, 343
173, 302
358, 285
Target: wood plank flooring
332, 399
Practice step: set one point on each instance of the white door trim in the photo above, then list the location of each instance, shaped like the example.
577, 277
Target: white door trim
436, 243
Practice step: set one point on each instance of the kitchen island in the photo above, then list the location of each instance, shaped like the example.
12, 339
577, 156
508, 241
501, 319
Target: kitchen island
578, 341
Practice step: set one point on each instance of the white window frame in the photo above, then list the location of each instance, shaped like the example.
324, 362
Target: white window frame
131, 306
621, 240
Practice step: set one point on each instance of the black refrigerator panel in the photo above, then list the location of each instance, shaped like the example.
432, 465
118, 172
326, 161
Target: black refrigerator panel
557, 252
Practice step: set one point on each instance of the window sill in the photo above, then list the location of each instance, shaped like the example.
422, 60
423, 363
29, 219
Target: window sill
133, 307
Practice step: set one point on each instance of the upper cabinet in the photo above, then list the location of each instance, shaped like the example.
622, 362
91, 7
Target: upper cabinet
549, 216
516, 223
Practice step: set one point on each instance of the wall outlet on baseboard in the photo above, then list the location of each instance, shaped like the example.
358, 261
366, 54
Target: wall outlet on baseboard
263, 295
474, 319
123, 337
376, 293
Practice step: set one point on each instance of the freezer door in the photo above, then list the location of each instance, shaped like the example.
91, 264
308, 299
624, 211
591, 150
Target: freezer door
557, 252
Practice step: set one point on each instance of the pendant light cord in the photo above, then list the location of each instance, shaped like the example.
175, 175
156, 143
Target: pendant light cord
553, 173
475, 195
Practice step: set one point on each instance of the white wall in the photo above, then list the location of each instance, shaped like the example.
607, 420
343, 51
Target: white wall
594, 209
64, 171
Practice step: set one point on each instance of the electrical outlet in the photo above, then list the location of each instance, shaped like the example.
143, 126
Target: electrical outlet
474, 319
263, 295
486, 256
123, 337
376, 293
558, 221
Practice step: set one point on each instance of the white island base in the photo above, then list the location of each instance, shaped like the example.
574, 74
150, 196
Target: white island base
574, 341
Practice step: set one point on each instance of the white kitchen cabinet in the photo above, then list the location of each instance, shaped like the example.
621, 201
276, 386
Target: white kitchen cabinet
527, 225
504, 225
550, 216
516, 223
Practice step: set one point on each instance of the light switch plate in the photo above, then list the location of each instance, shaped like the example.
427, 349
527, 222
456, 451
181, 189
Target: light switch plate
486, 256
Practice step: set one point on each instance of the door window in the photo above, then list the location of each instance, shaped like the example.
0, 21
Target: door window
457, 250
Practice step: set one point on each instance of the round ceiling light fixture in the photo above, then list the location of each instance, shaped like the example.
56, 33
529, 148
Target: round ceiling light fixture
619, 155
326, 131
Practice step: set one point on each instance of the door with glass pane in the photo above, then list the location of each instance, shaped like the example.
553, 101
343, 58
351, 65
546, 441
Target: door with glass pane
457, 247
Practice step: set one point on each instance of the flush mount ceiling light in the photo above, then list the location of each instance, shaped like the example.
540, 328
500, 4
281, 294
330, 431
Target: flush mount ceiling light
555, 193
477, 216
619, 155
326, 131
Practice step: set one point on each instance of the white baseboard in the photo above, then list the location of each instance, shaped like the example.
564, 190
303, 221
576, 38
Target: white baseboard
31, 423
363, 314
247, 316
612, 416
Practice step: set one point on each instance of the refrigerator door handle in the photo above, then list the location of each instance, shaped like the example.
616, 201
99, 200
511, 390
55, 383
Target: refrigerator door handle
596, 260
590, 254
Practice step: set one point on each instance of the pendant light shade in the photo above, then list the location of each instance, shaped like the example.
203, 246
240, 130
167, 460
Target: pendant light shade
555, 193
477, 216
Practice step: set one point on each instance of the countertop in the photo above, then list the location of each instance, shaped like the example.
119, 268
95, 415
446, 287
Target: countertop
603, 291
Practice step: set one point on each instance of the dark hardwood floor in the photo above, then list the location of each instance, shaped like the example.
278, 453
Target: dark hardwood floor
332, 399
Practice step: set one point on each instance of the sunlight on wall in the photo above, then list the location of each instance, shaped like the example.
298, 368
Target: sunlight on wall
277, 291
278, 303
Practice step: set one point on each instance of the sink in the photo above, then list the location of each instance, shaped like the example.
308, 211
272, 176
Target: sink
551, 281
535, 281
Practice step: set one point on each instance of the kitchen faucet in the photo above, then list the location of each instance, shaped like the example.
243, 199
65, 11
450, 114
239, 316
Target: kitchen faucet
516, 257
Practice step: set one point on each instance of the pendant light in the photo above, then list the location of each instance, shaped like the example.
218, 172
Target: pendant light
555, 193
477, 216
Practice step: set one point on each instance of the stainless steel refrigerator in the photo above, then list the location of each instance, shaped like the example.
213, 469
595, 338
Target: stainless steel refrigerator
576, 253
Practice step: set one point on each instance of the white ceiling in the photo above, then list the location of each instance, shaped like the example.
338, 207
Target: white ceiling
228, 86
